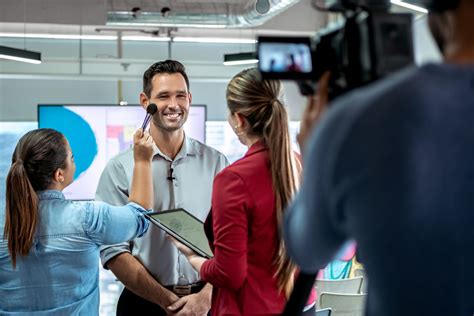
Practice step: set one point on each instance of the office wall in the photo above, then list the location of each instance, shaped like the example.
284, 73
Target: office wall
100, 77
20, 95
90, 72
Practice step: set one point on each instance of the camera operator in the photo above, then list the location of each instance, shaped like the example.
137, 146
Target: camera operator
391, 166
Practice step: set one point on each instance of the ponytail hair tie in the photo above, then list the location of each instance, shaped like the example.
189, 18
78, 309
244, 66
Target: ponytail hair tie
276, 102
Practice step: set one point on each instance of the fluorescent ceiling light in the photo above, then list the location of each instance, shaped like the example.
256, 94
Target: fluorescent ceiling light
60, 36
22, 55
240, 62
240, 59
214, 40
145, 38
409, 6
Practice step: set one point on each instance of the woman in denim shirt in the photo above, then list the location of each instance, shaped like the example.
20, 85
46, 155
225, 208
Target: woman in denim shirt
49, 254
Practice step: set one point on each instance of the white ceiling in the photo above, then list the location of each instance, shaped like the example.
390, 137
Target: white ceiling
54, 11
85, 16
66, 16
191, 6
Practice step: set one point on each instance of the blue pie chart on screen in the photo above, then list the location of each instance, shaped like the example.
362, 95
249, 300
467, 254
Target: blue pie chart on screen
77, 131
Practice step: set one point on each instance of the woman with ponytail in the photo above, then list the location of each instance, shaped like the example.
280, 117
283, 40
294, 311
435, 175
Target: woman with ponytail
49, 253
250, 270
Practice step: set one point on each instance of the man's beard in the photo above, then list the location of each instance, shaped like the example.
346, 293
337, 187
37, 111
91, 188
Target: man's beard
160, 122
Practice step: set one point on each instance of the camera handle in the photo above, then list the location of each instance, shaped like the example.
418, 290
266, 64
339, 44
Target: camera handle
306, 87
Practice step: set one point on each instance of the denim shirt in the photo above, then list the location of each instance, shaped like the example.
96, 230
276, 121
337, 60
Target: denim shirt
60, 274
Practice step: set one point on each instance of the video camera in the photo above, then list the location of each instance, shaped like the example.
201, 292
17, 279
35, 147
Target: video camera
370, 43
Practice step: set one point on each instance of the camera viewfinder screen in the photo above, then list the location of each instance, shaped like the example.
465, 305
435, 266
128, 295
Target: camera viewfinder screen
285, 57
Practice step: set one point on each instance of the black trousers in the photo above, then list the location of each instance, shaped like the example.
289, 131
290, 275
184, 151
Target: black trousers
131, 304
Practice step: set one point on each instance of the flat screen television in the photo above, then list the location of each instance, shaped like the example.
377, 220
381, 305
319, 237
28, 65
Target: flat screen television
97, 133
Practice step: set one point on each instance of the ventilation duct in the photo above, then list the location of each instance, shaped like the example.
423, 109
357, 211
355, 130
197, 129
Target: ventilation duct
215, 14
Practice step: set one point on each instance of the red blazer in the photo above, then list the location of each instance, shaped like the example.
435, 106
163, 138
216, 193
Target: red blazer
245, 239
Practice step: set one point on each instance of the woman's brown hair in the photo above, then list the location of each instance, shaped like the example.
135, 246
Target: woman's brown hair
259, 102
37, 156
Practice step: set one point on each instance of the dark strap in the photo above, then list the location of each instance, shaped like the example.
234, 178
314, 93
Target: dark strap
298, 298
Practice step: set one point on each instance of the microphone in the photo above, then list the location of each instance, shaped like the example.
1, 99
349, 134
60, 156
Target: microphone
150, 110
170, 177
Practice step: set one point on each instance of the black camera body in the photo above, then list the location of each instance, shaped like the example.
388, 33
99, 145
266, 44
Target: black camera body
369, 45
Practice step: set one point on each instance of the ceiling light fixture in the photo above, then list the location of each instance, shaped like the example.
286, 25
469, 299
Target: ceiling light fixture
139, 38
17, 54
60, 36
22, 55
409, 6
240, 59
214, 40
210, 40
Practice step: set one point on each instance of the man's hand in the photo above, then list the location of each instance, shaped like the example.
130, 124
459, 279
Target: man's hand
197, 304
167, 298
315, 109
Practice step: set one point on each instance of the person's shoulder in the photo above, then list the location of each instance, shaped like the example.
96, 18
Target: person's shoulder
203, 149
409, 82
344, 112
123, 158
230, 172
67, 212
383, 87
248, 166
384, 92
447, 69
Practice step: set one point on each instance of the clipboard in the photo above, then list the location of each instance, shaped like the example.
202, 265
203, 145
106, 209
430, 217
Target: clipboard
185, 227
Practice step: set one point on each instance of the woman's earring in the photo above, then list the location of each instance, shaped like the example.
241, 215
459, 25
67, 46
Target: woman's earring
237, 132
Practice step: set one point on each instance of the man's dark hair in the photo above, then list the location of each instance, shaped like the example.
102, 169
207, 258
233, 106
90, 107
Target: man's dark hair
166, 66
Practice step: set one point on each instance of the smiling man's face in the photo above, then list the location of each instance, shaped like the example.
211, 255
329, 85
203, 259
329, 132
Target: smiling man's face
170, 93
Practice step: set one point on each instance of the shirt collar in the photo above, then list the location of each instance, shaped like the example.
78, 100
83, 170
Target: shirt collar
190, 148
257, 147
50, 195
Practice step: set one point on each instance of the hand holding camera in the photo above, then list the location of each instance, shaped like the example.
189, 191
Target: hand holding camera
315, 109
